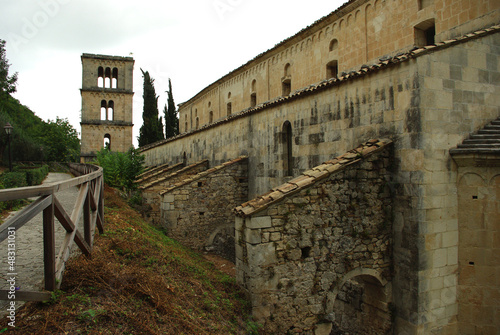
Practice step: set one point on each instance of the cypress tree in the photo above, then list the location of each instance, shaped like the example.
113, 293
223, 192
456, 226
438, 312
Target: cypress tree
171, 118
152, 128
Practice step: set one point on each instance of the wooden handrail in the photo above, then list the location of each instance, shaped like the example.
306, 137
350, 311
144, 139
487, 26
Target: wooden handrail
89, 206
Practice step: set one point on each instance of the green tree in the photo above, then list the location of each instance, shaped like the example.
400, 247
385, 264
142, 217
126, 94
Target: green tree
171, 117
60, 141
152, 129
7, 83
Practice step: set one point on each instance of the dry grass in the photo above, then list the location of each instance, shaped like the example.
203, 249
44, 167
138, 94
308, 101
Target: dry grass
138, 282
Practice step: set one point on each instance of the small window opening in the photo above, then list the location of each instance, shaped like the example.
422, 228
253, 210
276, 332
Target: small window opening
286, 87
107, 79
107, 142
114, 81
253, 100
210, 117
197, 122
200, 184
471, 263
111, 110
425, 33
103, 110
100, 77
424, 3
333, 45
474, 197
229, 109
332, 69
287, 149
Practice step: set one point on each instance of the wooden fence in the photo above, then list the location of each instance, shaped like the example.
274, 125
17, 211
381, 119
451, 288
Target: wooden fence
89, 205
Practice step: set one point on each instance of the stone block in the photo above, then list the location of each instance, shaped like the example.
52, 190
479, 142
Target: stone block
259, 222
261, 254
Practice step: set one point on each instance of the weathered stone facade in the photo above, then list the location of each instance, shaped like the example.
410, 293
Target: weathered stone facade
198, 211
298, 245
152, 186
360, 32
478, 237
107, 92
426, 100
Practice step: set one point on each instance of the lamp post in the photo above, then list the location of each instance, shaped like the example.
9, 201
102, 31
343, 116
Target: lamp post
8, 129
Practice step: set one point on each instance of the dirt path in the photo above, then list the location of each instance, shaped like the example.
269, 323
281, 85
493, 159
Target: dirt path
29, 245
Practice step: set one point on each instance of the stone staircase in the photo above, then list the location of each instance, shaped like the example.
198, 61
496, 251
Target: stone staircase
484, 141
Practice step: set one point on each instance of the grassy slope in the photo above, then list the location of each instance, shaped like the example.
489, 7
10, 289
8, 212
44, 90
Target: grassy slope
138, 282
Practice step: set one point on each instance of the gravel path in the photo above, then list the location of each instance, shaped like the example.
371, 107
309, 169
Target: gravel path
29, 244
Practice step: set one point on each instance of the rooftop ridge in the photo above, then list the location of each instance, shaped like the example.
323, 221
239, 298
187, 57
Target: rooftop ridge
205, 161
311, 176
203, 174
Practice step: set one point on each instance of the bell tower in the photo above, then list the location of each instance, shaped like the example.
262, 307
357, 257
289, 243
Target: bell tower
107, 92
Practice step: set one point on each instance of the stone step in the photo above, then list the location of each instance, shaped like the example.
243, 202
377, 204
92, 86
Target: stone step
492, 126
496, 122
488, 131
480, 145
484, 136
483, 140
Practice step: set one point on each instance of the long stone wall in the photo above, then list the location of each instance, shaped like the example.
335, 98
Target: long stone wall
426, 102
299, 246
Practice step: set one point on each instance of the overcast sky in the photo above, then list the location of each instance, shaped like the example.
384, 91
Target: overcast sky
192, 42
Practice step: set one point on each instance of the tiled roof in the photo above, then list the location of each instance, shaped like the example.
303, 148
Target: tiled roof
310, 177
204, 174
342, 78
484, 141
151, 173
156, 181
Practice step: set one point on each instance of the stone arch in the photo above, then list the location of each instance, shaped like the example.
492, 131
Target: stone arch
373, 299
495, 179
221, 241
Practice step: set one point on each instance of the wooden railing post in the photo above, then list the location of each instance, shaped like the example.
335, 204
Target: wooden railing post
49, 247
87, 224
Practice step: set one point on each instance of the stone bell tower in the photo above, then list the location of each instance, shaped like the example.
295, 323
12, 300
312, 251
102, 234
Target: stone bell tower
107, 92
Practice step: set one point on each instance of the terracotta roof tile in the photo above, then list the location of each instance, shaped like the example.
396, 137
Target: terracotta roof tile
203, 174
310, 177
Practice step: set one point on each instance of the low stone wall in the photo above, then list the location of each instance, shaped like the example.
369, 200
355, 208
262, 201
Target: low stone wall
198, 211
151, 190
320, 258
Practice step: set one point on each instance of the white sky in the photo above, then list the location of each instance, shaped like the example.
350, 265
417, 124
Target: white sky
193, 42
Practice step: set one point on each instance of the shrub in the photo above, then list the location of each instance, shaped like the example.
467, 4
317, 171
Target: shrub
14, 179
36, 176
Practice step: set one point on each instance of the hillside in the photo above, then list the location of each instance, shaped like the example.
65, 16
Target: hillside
138, 282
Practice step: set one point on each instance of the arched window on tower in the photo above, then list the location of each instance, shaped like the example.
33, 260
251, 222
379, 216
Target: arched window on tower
104, 108
107, 78
210, 117
111, 110
100, 77
107, 142
286, 81
287, 149
114, 80
229, 109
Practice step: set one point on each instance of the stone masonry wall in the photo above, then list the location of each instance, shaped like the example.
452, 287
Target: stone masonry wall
296, 255
198, 211
426, 105
151, 190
